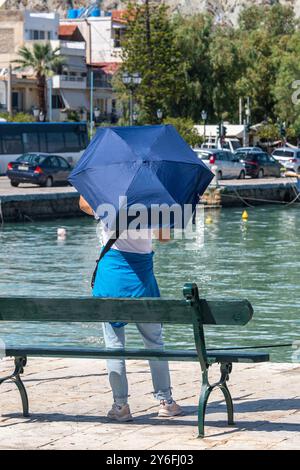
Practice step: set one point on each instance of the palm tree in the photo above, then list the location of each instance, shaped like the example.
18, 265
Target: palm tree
44, 62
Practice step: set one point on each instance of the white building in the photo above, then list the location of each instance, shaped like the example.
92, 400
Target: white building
87, 44
102, 35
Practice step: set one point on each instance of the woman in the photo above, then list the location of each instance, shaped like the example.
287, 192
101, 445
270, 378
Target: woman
127, 271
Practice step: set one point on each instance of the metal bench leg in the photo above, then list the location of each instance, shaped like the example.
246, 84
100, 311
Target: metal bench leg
225, 371
205, 392
20, 363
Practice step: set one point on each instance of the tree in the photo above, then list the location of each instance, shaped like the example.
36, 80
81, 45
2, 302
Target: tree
192, 38
226, 69
43, 61
276, 19
186, 129
286, 86
149, 49
263, 36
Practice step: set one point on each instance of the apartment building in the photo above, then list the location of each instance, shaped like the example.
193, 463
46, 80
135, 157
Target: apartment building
19, 28
92, 54
102, 34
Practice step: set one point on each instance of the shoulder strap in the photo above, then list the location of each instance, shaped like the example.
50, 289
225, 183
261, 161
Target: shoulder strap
106, 248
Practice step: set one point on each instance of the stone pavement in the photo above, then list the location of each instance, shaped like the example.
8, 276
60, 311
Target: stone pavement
69, 399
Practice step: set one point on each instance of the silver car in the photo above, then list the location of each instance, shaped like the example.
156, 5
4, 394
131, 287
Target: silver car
289, 158
223, 163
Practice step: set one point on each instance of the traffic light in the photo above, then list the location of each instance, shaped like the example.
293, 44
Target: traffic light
224, 131
248, 128
219, 130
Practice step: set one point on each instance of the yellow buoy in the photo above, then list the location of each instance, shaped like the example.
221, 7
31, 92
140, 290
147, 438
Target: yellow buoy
208, 220
245, 215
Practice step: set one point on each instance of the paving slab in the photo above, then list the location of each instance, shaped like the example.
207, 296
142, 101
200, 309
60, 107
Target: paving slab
69, 399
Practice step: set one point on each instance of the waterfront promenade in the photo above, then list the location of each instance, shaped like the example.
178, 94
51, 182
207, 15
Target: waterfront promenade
69, 400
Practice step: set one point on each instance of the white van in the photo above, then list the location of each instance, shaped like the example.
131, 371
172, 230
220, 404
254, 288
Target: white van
231, 144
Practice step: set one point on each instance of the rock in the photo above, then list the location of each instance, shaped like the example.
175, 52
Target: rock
224, 10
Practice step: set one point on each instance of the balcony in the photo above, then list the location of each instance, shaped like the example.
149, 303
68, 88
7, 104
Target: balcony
74, 48
69, 82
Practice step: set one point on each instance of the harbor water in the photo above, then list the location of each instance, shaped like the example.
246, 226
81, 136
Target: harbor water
256, 259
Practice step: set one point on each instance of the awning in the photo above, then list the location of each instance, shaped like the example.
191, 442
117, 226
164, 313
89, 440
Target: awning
74, 99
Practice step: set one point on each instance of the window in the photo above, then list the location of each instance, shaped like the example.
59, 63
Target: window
12, 144
57, 102
263, 158
283, 153
35, 35
55, 142
15, 100
72, 143
53, 162
32, 159
223, 156
31, 142
63, 163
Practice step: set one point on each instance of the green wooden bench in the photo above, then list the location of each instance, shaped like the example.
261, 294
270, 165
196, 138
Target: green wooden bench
191, 310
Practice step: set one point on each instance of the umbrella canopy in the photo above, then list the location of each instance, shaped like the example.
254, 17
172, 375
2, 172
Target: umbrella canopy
150, 165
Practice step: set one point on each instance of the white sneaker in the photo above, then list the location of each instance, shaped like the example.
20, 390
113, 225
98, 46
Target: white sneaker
167, 410
120, 413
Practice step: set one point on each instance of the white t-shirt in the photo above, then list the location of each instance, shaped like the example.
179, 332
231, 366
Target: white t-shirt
129, 241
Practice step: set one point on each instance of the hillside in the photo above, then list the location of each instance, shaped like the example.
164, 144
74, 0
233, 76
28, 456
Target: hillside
225, 10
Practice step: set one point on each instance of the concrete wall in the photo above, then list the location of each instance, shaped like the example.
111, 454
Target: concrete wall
11, 36
38, 207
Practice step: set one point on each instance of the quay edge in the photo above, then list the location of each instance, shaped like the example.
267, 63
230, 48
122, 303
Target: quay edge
34, 204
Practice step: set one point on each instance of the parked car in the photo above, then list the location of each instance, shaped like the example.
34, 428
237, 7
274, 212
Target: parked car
289, 158
225, 163
248, 149
38, 168
259, 164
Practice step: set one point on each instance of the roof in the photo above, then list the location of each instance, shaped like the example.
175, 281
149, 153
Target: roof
70, 32
109, 68
67, 29
119, 16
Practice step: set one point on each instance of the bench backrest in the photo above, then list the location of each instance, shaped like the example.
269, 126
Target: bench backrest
91, 309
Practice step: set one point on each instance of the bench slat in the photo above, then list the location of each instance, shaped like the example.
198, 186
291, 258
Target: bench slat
175, 355
89, 309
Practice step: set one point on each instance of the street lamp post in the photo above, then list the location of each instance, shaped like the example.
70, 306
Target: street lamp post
91, 102
247, 121
36, 113
131, 81
134, 116
159, 114
96, 113
49, 99
204, 118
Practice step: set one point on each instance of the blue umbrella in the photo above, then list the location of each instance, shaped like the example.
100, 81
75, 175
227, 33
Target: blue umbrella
149, 165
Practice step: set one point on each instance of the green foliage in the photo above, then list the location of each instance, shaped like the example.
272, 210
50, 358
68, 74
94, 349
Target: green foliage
44, 62
186, 129
73, 115
18, 117
269, 132
149, 48
190, 63
42, 59
192, 37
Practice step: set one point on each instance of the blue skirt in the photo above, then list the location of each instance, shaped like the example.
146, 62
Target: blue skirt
122, 274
